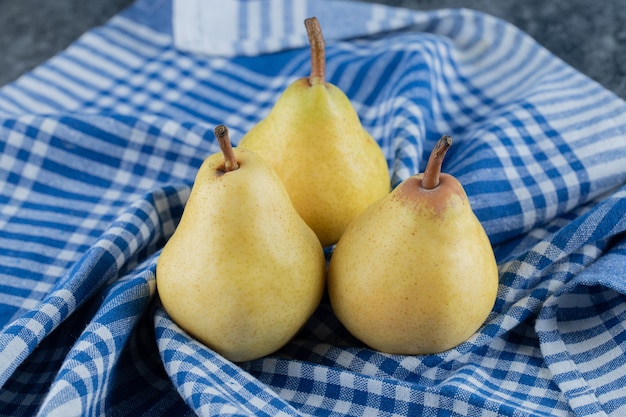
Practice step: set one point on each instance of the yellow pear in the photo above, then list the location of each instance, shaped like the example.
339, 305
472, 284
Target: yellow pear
242, 272
330, 165
415, 273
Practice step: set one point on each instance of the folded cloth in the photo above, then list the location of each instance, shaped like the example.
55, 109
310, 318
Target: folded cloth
99, 147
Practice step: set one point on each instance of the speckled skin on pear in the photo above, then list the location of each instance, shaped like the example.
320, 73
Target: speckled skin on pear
243, 272
331, 167
415, 273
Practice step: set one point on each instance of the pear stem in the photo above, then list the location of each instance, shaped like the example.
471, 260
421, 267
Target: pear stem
318, 51
230, 161
430, 178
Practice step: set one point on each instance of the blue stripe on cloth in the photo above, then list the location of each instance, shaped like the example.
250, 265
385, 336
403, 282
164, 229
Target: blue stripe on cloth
100, 145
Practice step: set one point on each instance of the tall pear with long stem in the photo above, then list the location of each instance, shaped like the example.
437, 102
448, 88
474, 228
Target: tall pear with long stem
331, 166
415, 273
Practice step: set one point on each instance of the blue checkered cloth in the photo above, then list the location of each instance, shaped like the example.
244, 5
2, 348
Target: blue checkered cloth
99, 147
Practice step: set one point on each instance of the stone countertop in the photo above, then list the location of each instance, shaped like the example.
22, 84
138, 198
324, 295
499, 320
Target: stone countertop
590, 35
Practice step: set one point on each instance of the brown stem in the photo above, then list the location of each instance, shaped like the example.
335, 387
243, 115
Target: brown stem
230, 161
318, 51
430, 179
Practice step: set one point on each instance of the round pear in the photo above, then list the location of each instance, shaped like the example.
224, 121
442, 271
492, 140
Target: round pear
415, 273
242, 272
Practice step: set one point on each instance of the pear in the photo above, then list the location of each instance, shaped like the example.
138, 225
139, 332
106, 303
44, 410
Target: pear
330, 165
415, 273
242, 272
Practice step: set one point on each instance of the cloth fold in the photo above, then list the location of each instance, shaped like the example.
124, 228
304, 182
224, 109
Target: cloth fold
99, 147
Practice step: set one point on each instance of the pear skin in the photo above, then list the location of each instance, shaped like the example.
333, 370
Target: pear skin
415, 273
330, 165
242, 272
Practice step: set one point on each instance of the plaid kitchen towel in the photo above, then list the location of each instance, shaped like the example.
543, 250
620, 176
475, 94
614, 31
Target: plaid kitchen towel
99, 147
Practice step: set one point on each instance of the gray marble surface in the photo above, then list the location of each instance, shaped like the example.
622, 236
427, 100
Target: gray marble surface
31, 31
590, 35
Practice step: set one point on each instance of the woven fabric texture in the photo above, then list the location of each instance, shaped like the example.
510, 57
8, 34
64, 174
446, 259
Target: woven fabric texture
100, 145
